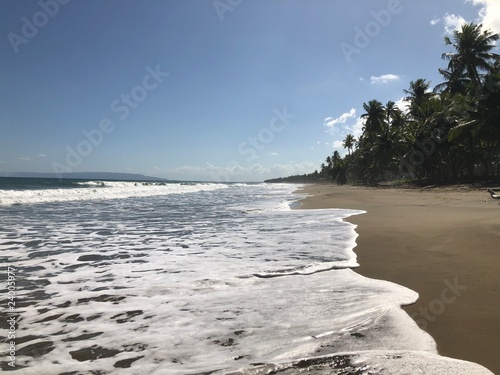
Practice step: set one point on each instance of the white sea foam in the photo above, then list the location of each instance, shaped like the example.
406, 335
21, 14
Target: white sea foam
99, 190
214, 281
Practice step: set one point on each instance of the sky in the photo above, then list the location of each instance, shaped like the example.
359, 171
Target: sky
212, 90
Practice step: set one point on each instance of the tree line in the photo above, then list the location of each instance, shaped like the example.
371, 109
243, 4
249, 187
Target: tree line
448, 134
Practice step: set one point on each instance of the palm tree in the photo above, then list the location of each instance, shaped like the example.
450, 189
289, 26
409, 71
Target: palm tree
422, 104
375, 116
418, 93
385, 150
335, 158
349, 142
323, 170
454, 82
472, 141
476, 127
473, 52
391, 111
339, 170
455, 129
328, 162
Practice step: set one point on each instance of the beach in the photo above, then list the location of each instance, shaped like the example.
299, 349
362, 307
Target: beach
442, 243
121, 277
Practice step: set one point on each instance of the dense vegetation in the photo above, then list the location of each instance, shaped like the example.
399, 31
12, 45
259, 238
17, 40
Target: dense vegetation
448, 134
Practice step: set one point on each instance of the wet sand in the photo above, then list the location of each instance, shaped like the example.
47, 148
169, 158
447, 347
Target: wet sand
443, 243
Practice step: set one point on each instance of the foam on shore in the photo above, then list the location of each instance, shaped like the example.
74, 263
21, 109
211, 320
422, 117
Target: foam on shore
219, 281
101, 190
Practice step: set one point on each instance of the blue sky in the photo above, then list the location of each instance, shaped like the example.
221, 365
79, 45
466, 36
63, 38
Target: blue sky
219, 90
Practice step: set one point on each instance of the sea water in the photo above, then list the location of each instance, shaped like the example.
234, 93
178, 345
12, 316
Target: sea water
196, 278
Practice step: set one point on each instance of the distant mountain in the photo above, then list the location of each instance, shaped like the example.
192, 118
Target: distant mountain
88, 176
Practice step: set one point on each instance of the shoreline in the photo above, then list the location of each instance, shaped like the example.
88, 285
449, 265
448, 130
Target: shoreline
442, 243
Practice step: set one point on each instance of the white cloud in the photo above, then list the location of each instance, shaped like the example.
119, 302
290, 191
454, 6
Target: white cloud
403, 104
357, 129
24, 158
338, 144
453, 22
273, 153
42, 155
489, 14
330, 122
386, 78
234, 172
435, 21
291, 169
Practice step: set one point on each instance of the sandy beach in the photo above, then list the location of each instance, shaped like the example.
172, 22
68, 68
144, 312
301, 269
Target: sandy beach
443, 243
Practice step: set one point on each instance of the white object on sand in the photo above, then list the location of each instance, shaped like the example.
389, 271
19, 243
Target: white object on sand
493, 194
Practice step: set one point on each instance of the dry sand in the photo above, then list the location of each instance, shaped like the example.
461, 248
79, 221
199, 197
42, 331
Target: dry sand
427, 240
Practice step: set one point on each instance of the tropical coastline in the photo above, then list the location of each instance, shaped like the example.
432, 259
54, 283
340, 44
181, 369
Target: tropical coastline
441, 243
443, 135
167, 195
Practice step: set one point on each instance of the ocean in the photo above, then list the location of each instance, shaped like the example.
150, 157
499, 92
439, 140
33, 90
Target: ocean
115, 277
